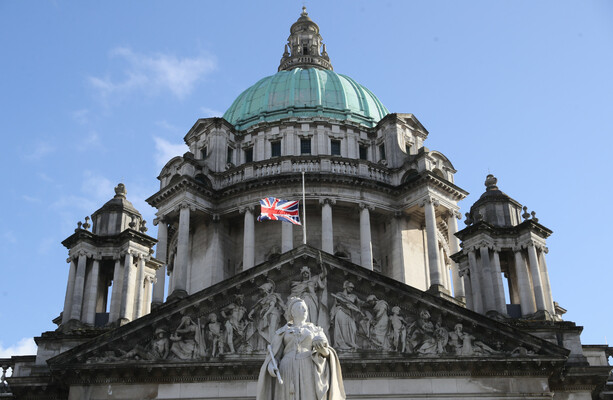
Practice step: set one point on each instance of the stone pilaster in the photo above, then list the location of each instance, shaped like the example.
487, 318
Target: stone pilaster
487, 285
545, 278
475, 282
287, 237
140, 287
365, 237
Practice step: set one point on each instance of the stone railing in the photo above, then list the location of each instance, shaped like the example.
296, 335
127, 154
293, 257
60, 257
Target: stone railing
282, 165
7, 365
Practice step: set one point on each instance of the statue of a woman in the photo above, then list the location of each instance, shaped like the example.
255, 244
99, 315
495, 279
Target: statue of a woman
300, 365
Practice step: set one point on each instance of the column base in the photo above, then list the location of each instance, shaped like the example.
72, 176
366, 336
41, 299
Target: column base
156, 305
440, 291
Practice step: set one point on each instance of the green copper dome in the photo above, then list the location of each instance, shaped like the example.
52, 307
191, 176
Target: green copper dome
305, 92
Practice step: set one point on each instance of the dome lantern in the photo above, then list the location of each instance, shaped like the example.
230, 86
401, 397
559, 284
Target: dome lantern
304, 46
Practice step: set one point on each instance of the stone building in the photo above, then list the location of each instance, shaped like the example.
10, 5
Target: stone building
414, 306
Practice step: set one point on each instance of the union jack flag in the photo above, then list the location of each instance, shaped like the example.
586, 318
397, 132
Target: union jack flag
273, 209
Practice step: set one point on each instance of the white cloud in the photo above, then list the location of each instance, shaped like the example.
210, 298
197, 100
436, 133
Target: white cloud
90, 141
154, 74
30, 199
25, 347
39, 150
81, 116
209, 112
97, 186
164, 151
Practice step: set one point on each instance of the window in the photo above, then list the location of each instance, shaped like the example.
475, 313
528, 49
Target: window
249, 154
407, 148
335, 147
275, 148
382, 151
203, 152
305, 146
363, 153
230, 155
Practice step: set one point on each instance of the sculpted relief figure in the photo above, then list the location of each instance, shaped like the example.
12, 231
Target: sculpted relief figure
427, 338
465, 344
214, 335
345, 313
187, 340
379, 323
238, 331
160, 345
300, 365
313, 290
399, 330
268, 310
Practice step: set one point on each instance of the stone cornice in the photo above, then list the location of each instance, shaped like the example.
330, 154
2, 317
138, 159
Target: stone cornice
115, 240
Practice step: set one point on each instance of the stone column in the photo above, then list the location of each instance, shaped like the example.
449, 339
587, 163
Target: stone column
537, 283
546, 285
140, 287
475, 281
77, 296
69, 291
180, 268
126, 313
248, 239
117, 290
501, 304
365, 238
468, 292
160, 274
433, 255
397, 249
287, 236
486, 279
523, 282
327, 232
92, 292
149, 281
454, 247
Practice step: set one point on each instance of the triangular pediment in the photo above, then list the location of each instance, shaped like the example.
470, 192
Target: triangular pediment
382, 326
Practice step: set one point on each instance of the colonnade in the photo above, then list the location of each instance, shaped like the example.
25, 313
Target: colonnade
437, 265
528, 278
87, 286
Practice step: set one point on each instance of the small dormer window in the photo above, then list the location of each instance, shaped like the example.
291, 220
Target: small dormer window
230, 155
203, 152
363, 153
382, 152
249, 154
275, 148
305, 50
407, 148
305, 146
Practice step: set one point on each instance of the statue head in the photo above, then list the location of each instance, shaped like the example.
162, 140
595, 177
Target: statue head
296, 309
212, 317
396, 310
305, 272
348, 286
268, 287
424, 314
371, 299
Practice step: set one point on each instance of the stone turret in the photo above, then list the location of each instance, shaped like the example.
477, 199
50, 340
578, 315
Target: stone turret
500, 249
304, 46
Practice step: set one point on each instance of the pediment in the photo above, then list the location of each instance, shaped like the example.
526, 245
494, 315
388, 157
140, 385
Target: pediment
382, 326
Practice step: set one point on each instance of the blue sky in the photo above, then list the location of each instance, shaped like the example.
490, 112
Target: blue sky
96, 93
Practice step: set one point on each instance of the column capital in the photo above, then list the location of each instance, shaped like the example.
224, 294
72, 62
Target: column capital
453, 214
215, 217
185, 204
244, 209
399, 214
327, 200
369, 207
158, 220
429, 200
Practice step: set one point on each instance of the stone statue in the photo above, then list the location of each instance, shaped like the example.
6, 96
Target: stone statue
160, 345
434, 338
300, 364
214, 335
379, 324
238, 331
465, 345
187, 340
268, 310
345, 313
399, 330
313, 290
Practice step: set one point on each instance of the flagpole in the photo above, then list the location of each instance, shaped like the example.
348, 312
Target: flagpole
303, 212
